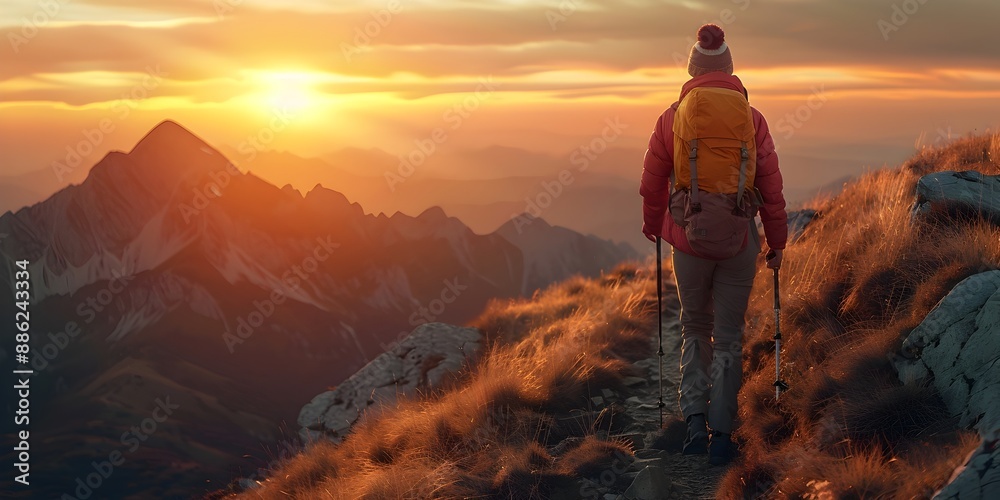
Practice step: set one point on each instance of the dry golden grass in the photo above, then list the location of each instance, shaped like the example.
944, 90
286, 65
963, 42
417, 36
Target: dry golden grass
857, 281
488, 436
860, 278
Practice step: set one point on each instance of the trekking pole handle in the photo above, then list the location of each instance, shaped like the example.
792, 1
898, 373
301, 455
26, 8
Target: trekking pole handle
777, 298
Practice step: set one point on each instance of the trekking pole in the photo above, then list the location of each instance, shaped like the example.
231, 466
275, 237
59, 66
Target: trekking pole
779, 385
659, 324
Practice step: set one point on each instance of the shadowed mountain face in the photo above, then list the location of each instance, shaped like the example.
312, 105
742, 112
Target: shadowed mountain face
552, 252
182, 312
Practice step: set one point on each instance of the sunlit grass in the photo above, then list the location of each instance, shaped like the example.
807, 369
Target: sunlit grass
860, 278
487, 434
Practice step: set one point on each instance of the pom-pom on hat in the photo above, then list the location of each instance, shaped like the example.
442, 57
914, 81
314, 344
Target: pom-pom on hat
710, 52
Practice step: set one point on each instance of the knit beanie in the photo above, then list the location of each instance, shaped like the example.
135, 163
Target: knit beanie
710, 52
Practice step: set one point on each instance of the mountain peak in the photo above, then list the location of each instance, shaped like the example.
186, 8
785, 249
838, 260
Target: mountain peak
169, 136
524, 220
434, 214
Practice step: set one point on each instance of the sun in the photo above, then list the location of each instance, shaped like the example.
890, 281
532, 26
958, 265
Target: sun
288, 92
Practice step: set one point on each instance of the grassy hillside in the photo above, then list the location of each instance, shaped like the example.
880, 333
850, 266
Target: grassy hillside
486, 435
857, 281
860, 278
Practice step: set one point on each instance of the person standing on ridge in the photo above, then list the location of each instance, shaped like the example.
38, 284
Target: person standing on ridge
711, 164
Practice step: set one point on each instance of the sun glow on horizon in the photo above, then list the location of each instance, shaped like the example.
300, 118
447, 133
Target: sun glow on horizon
290, 92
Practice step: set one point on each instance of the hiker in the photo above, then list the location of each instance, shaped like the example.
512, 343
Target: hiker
708, 222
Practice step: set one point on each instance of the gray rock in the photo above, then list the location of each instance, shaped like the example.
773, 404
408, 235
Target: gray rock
574, 489
969, 192
642, 463
957, 346
978, 478
634, 439
634, 381
798, 220
651, 483
958, 343
247, 484
420, 361
651, 454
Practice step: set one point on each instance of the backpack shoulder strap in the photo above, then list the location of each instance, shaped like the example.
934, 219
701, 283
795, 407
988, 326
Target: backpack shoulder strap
741, 187
693, 158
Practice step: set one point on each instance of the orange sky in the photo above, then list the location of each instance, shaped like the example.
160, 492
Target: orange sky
845, 85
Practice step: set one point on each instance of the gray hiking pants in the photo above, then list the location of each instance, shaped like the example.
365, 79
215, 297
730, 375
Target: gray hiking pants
714, 296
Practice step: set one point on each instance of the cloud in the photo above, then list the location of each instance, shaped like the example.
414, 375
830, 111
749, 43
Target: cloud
431, 41
553, 57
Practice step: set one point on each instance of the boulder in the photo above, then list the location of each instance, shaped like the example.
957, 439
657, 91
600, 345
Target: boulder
651, 483
957, 348
967, 193
798, 220
420, 361
958, 345
978, 478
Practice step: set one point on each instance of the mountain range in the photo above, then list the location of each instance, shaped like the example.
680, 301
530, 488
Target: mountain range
485, 188
184, 310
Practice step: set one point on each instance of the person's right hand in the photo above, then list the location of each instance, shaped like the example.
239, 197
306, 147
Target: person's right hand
650, 234
774, 258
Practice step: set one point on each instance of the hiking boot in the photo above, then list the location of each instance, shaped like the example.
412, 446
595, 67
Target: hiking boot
696, 442
720, 452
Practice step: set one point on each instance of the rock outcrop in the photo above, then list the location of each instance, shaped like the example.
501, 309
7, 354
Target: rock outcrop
968, 193
798, 220
957, 348
421, 361
978, 478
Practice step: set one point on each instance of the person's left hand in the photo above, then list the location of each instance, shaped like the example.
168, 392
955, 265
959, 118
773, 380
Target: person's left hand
650, 234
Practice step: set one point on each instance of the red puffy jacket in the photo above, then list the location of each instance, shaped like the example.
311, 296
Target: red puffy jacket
659, 163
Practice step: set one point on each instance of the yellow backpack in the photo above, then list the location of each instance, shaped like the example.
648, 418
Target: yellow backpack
715, 160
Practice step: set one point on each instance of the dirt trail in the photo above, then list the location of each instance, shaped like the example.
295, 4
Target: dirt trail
691, 476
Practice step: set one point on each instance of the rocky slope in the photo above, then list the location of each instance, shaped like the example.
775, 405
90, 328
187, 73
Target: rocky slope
956, 348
